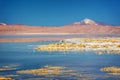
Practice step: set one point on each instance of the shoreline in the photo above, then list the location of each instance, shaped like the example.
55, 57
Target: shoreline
102, 45
28, 39
52, 34
37, 39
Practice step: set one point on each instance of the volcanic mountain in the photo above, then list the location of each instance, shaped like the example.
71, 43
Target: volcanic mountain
87, 21
86, 26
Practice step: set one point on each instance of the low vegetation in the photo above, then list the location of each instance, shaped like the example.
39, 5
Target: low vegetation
5, 78
112, 70
107, 45
47, 71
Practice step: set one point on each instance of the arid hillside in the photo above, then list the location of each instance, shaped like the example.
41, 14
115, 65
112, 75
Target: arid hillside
86, 26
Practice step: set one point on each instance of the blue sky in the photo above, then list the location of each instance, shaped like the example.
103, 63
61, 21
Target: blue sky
58, 12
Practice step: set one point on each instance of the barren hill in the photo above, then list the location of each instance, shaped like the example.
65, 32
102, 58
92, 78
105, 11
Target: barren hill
85, 26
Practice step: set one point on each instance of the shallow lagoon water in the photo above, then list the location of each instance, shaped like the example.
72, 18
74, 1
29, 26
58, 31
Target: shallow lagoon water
87, 64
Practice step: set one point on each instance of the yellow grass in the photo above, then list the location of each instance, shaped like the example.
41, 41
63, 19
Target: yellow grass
111, 44
47, 70
112, 70
3, 78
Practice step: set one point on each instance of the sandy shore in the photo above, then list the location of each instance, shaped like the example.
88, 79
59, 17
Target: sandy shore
45, 33
28, 39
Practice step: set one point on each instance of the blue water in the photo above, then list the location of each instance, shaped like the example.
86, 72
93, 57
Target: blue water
86, 63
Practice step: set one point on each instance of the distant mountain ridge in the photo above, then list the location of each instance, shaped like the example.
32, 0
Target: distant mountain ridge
86, 26
87, 21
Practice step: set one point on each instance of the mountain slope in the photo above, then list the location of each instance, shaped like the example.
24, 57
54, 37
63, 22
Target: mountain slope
85, 26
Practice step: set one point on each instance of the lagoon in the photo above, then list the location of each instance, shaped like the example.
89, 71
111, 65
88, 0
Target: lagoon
23, 55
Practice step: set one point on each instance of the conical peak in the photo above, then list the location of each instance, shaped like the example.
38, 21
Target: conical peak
88, 21
3, 24
85, 21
